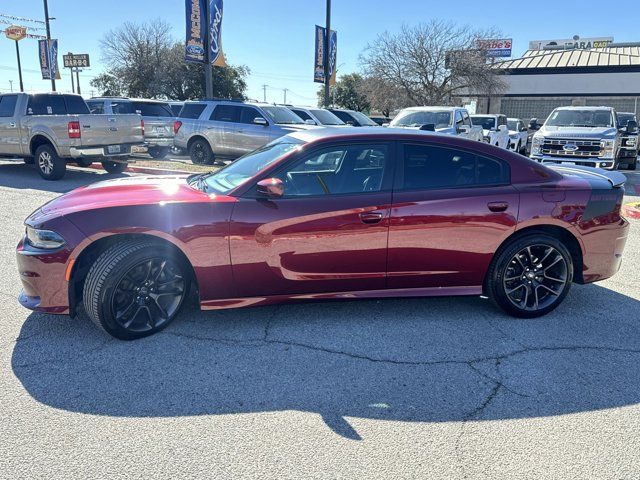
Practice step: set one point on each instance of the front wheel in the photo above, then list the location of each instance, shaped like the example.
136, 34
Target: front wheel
114, 167
50, 165
135, 289
531, 276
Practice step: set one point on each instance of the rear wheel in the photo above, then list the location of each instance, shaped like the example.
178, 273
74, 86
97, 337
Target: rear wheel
531, 276
50, 165
159, 152
135, 289
114, 167
201, 153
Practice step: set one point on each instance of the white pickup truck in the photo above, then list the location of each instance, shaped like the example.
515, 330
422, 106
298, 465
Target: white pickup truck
446, 120
53, 129
494, 129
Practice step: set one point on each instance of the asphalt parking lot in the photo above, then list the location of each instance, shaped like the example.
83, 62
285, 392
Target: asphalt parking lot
417, 388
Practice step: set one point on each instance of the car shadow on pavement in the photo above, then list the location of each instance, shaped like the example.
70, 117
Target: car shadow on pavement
25, 177
413, 360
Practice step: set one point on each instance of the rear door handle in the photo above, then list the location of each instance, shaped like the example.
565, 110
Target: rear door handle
371, 217
497, 206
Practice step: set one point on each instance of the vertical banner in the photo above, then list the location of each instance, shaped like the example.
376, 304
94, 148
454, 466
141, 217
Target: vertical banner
196, 31
53, 59
318, 71
48, 53
216, 55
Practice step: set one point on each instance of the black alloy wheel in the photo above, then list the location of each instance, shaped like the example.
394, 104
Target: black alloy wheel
201, 153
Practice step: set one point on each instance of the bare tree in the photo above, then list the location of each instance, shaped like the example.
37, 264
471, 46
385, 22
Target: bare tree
433, 63
384, 96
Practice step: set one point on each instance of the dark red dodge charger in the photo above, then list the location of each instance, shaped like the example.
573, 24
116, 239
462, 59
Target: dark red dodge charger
326, 214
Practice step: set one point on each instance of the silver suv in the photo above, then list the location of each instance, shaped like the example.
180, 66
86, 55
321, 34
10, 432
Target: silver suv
317, 116
157, 115
214, 130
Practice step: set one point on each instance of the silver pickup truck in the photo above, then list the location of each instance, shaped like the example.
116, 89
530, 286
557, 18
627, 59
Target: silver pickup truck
445, 120
53, 129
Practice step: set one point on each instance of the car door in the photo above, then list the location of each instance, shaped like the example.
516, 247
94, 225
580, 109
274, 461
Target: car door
451, 210
328, 233
248, 134
221, 128
9, 127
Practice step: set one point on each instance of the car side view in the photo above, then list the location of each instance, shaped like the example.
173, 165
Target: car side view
326, 214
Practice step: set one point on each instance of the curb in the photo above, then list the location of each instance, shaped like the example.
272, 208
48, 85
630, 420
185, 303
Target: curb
631, 210
147, 170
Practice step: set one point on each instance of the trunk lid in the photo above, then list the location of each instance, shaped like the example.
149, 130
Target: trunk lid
102, 129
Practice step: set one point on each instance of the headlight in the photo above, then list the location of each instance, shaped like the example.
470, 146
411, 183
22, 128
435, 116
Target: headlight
43, 239
608, 148
536, 144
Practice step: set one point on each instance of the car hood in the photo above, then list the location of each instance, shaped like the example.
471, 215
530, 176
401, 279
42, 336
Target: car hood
578, 132
129, 191
297, 127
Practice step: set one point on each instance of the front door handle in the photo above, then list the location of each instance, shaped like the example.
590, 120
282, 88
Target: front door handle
497, 206
371, 217
12, 124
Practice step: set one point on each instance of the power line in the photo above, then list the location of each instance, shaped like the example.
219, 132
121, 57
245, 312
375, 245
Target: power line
21, 19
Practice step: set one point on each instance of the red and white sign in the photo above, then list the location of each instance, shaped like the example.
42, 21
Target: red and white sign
497, 47
15, 32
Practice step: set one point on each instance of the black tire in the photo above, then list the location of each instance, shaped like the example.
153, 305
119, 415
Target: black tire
201, 153
507, 272
114, 167
104, 289
632, 165
84, 162
29, 160
159, 152
50, 165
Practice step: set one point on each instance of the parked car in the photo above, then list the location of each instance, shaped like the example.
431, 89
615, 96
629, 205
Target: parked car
214, 130
629, 140
157, 115
445, 120
589, 136
494, 129
353, 118
518, 135
380, 120
317, 116
326, 214
53, 129
176, 107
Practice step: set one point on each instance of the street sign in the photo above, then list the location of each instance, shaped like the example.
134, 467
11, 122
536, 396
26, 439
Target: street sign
500, 47
72, 60
15, 32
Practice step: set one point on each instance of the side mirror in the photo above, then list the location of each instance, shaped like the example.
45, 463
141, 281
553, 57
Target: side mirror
503, 128
463, 129
351, 122
533, 124
632, 127
428, 127
386, 124
310, 122
271, 187
260, 121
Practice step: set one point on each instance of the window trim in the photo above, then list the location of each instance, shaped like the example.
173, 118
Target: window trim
388, 175
399, 177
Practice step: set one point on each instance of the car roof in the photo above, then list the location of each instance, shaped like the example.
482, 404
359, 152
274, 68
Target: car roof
355, 133
584, 108
432, 109
140, 100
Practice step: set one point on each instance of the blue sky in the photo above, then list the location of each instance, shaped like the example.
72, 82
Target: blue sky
275, 38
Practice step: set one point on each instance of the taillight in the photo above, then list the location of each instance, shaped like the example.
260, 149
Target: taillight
142, 126
74, 129
176, 126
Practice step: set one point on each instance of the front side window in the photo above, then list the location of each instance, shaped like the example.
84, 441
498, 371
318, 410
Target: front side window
337, 170
326, 117
226, 113
302, 114
8, 105
429, 167
282, 116
465, 119
249, 114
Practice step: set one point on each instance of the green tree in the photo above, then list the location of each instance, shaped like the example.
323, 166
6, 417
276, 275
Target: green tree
348, 92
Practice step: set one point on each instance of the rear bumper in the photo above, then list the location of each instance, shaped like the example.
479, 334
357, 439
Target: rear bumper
100, 151
604, 251
159, 142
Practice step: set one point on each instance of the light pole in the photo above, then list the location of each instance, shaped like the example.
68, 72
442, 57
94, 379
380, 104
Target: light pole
327, 39
208, 74
11, 85
46, 19
285, 90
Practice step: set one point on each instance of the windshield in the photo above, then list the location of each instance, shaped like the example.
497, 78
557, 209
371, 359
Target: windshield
623, 118
326, 118
580, 118
246, 167
362, 119
441, 119
282, 116
487, 123
512, 125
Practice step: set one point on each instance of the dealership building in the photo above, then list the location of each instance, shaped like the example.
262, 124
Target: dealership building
579, 72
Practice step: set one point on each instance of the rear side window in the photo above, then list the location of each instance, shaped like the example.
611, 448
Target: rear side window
192, 110
152, 109
120, 108
8, 105
96, 107
430, 167
175, 109
226, 113
46, 105
76, 105
302, 114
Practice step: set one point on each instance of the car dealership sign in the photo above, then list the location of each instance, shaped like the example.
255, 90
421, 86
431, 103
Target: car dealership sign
499, 47
15, 32
575, 43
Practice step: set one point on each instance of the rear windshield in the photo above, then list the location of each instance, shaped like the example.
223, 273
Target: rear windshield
50, 104
152, 109
487, 123
192, 110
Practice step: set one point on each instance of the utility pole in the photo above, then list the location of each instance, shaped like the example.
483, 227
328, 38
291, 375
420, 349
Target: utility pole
11, 85
77, 80
46, 19
327, 77
19, 68
285, 90
73, 87
208, 74
264, 93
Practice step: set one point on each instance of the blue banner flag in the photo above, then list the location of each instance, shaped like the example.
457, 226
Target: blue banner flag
48, 54
216, 55
319, 71
196, 30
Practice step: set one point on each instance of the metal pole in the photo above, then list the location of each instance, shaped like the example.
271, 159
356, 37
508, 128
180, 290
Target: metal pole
78, 80
264, 93
73, 88
46, 19
19, 69
285, 95
11, 85
208, 77
327, 79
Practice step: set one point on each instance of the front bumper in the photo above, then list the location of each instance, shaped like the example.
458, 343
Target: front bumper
606, 163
